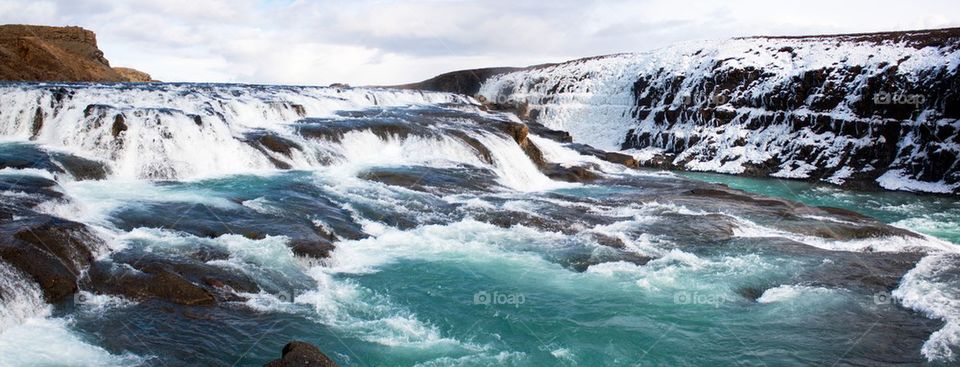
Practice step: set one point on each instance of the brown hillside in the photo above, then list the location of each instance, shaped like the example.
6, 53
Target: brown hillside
41, 53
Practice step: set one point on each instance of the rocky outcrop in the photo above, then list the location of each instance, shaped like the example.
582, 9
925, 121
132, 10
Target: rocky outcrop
52, 251
861, 110
299, 354
67, 54
463, 81
133, 75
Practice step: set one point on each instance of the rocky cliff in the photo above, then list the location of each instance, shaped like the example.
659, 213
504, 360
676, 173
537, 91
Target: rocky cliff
862, 110
41, 53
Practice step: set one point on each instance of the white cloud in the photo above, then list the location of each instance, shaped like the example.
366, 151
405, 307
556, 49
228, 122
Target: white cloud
388, 42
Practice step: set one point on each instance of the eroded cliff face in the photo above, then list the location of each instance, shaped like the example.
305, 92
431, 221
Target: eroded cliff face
855, 110
41, 53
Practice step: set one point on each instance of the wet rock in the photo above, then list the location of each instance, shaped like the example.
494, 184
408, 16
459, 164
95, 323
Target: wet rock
37, 123
22, 155
81, 168
611, 157
482, 151
273, 143
519, 133
875, 272
299, 354
334, 129
555, 135
50, 250
119, 125
750, 293
150, 280
430, 179
569, 174
315, 249
583, 262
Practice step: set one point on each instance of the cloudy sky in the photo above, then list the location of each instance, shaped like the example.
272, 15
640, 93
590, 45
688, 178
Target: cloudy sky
365, 42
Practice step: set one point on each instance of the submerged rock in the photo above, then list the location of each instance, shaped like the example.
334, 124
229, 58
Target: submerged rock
300, 354
23, 156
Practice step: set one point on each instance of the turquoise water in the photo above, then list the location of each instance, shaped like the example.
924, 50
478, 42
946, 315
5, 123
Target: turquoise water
935, 215
454, 262
415, 296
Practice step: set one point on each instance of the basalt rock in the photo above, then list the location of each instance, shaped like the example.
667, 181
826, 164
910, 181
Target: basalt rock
300, 354
889, 119
315, 249
519, 132
147, 280
52, 251
569, 174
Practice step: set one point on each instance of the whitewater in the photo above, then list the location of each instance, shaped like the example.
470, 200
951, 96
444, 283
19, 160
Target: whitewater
408, 228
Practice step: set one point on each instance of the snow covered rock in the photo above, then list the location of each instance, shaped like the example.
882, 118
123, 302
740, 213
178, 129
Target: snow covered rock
869, 109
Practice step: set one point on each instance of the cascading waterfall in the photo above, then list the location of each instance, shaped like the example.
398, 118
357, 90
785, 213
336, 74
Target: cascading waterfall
178, 132
373, 223
834, 109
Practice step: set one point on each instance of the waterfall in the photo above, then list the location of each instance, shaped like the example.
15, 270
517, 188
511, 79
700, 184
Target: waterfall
843, 110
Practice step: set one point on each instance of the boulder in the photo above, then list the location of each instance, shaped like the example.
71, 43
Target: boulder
299, 354
52, 251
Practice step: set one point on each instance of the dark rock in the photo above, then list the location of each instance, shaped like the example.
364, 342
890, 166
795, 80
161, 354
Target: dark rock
519, 132
750, 293
466, 82
81, 168
569, 174
299, 354
430, 179
273, 143
151, 280
316, 249
119, 125
555, 135
37, 123
50, 250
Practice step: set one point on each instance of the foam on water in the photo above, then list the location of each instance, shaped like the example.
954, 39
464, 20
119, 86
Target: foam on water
357, 311
749, 229
355, 149
515, 169
177, 132
28, 337
790, 293
20, 298
933, 287
43, 341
